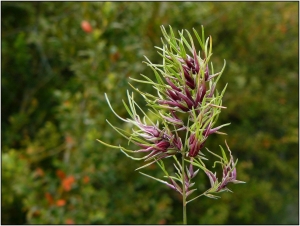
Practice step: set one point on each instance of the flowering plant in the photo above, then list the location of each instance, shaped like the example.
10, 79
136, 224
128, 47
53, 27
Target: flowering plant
187, 107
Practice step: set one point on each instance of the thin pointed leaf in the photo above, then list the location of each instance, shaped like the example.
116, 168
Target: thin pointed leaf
224, 155
108, 145
154, 178
199, 40
212, 196
129, 156
146, 165
190, 192
113, 109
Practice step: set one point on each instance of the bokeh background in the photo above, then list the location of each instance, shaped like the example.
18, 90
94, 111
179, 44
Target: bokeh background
56, 69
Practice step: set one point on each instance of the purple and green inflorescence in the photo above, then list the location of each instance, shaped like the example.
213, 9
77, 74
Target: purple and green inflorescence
186, 109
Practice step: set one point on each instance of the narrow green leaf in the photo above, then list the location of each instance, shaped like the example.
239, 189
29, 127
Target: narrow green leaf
214, 154
221, 72
212, 196
108, 145
196, 164
224, 155
113, 109
154, 178
129, 156
199, 39
146, 165
127, 109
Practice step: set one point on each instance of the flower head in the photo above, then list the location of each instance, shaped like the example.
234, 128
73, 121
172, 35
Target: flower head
186, 109
229, 174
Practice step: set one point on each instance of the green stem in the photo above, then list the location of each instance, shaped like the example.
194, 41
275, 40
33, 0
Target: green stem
183, 192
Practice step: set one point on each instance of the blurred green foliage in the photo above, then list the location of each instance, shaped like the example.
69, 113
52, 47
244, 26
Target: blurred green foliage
55, 74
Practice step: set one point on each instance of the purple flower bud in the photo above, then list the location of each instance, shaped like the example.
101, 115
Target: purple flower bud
196, 61
172, 85
171, 186
189, 61
189, 102
192, 138
188, 93
200, 93
212, 177
211, 131
173, 95
185, 67
212, 90
229, 175
187, 76
226, 169
173, 120
182, 106
206, 131
149, 148
152, 130
195, 146
223, 184
191, 169
177, 187
233, 174
206, 74
177, 143
174, 104
162, 145
174, 115
191, 85
197, 149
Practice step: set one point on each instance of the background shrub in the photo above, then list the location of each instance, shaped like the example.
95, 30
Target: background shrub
55, 74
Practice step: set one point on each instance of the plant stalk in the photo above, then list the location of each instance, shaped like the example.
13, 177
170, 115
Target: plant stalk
183, 192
